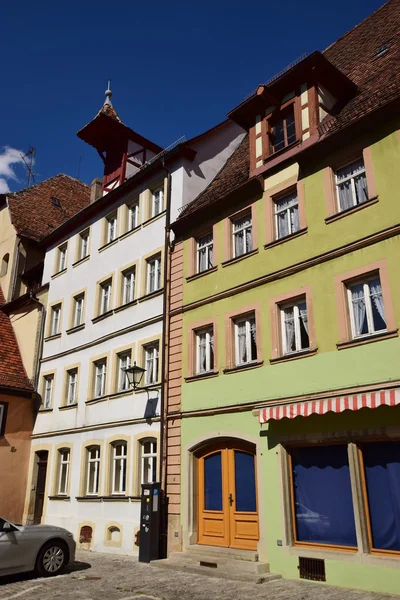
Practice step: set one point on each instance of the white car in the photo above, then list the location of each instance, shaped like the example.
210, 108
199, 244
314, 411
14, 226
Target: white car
45, 549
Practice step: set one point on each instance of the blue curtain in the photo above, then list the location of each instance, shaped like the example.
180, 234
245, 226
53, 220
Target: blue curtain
323, 501
382, 472
213, 482
245, 482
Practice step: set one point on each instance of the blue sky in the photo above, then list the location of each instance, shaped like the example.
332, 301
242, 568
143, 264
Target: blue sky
176, 67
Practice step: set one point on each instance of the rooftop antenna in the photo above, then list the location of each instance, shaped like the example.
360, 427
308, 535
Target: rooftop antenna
108, 94
28, 159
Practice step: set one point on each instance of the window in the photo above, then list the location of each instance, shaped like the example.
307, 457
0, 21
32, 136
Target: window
381, 462
242, 236
287, 219
72, 382
128, 286
3, 417
4, 265
151, 364
366, 309
48, 382
92, 470
78, 309
111, 228
63, 472
204, 351
157, 202
62, 257
105, 296
153, 274
283, 131
205, 253
124, 362
351, 185
148, 467
323, 506
133, 216
100, 371
84, 244
245, 340
119, 454
294, 323
55, 319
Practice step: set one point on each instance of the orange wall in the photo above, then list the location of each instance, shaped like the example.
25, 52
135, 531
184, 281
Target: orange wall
14, 456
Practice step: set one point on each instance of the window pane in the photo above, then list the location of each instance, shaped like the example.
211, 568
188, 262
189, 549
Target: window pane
279, 139
304, 337
213, 482
382, 472
322, 491
359, 309
245, 482
378, 310
290, 128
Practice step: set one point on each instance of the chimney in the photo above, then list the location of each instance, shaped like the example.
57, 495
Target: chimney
95, 190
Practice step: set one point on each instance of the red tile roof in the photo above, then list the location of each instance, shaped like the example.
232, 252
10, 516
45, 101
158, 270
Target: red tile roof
33, 213
12, 372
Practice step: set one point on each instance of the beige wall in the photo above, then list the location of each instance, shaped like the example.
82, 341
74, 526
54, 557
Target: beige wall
8, 241
25, 322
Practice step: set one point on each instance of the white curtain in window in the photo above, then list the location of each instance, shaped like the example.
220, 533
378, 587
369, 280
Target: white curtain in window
242, 341
289, 330
239, 243
203, 352
377, 299
303, 315
345, 195
283, 225
203, 260
360, 183
359, 309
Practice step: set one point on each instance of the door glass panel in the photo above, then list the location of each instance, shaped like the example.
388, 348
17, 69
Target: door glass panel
213, 482
245, 482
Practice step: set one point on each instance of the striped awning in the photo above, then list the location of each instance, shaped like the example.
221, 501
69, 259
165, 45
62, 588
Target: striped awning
336, 404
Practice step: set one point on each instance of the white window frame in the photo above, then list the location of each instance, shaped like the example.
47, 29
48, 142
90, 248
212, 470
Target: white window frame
208, 246
151, 359
62, 257
154, 264
150, 458
368, 306
238, 228
100, 378
128, 285
64, 464
72, 385
96, 462
296, 319
111, 228
48, 384
133, 216
157, 197
55, 319
105, 296
120, 488
124, 362
278, 211
350, 178
248, 321
84, 244
208, 336
79, 303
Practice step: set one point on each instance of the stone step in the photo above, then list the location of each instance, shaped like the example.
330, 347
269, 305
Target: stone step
214, 561
234, 553
223, 572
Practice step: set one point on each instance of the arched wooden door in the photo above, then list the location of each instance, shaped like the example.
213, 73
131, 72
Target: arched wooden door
227, 496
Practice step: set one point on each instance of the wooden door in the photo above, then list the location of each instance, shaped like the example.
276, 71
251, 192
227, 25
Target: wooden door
227, 497
40, 486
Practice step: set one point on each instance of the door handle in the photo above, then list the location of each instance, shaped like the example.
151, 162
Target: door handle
230, 498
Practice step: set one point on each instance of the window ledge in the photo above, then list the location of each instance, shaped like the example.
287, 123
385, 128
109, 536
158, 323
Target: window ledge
88, 498
108, 498
287, 238
148, 388
152, 219
252, 365
62, 498
201, 376
350, 211
45, 410
52, 337
368, 339
151, 295
59, 273
67, 406
103, 316
99, 399
115, 498
128, 233
293, 356
102, 248
236, 259
80, 261
206, 272
127, 305
74, 329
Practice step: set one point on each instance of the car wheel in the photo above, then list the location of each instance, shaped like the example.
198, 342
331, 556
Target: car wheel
51, 559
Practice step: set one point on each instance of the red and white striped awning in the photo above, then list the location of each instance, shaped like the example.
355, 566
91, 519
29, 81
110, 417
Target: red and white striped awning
337, 404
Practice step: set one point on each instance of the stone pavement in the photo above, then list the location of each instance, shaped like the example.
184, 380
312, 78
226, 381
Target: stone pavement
114, 577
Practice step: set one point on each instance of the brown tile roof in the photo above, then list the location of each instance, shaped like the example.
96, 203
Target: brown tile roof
12, 372
33, 213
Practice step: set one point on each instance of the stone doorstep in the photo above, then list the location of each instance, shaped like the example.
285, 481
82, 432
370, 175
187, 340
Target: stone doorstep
220, 552
219, 562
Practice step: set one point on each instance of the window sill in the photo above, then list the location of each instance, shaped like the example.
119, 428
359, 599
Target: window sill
124, 306
201, 376
80, 261
206, 272
148, 388
293, 356
68, 406
236, 259
151, 295
152, 219
62, 498
128, 233
102, 248
287, 238
350, 211
45, 410
52, 337
59, 273
103, 316
115, 498
107, 498
95, 400
387, 335
74, 329
88, 498
246, 367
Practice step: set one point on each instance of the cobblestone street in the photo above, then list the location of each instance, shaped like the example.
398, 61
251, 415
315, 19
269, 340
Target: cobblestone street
110, 577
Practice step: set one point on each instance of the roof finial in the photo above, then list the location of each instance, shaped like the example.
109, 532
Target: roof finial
108, 94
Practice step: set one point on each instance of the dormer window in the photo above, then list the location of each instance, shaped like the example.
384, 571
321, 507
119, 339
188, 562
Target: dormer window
283, 130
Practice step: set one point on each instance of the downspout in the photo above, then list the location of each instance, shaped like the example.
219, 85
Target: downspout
39, 341
164, 367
